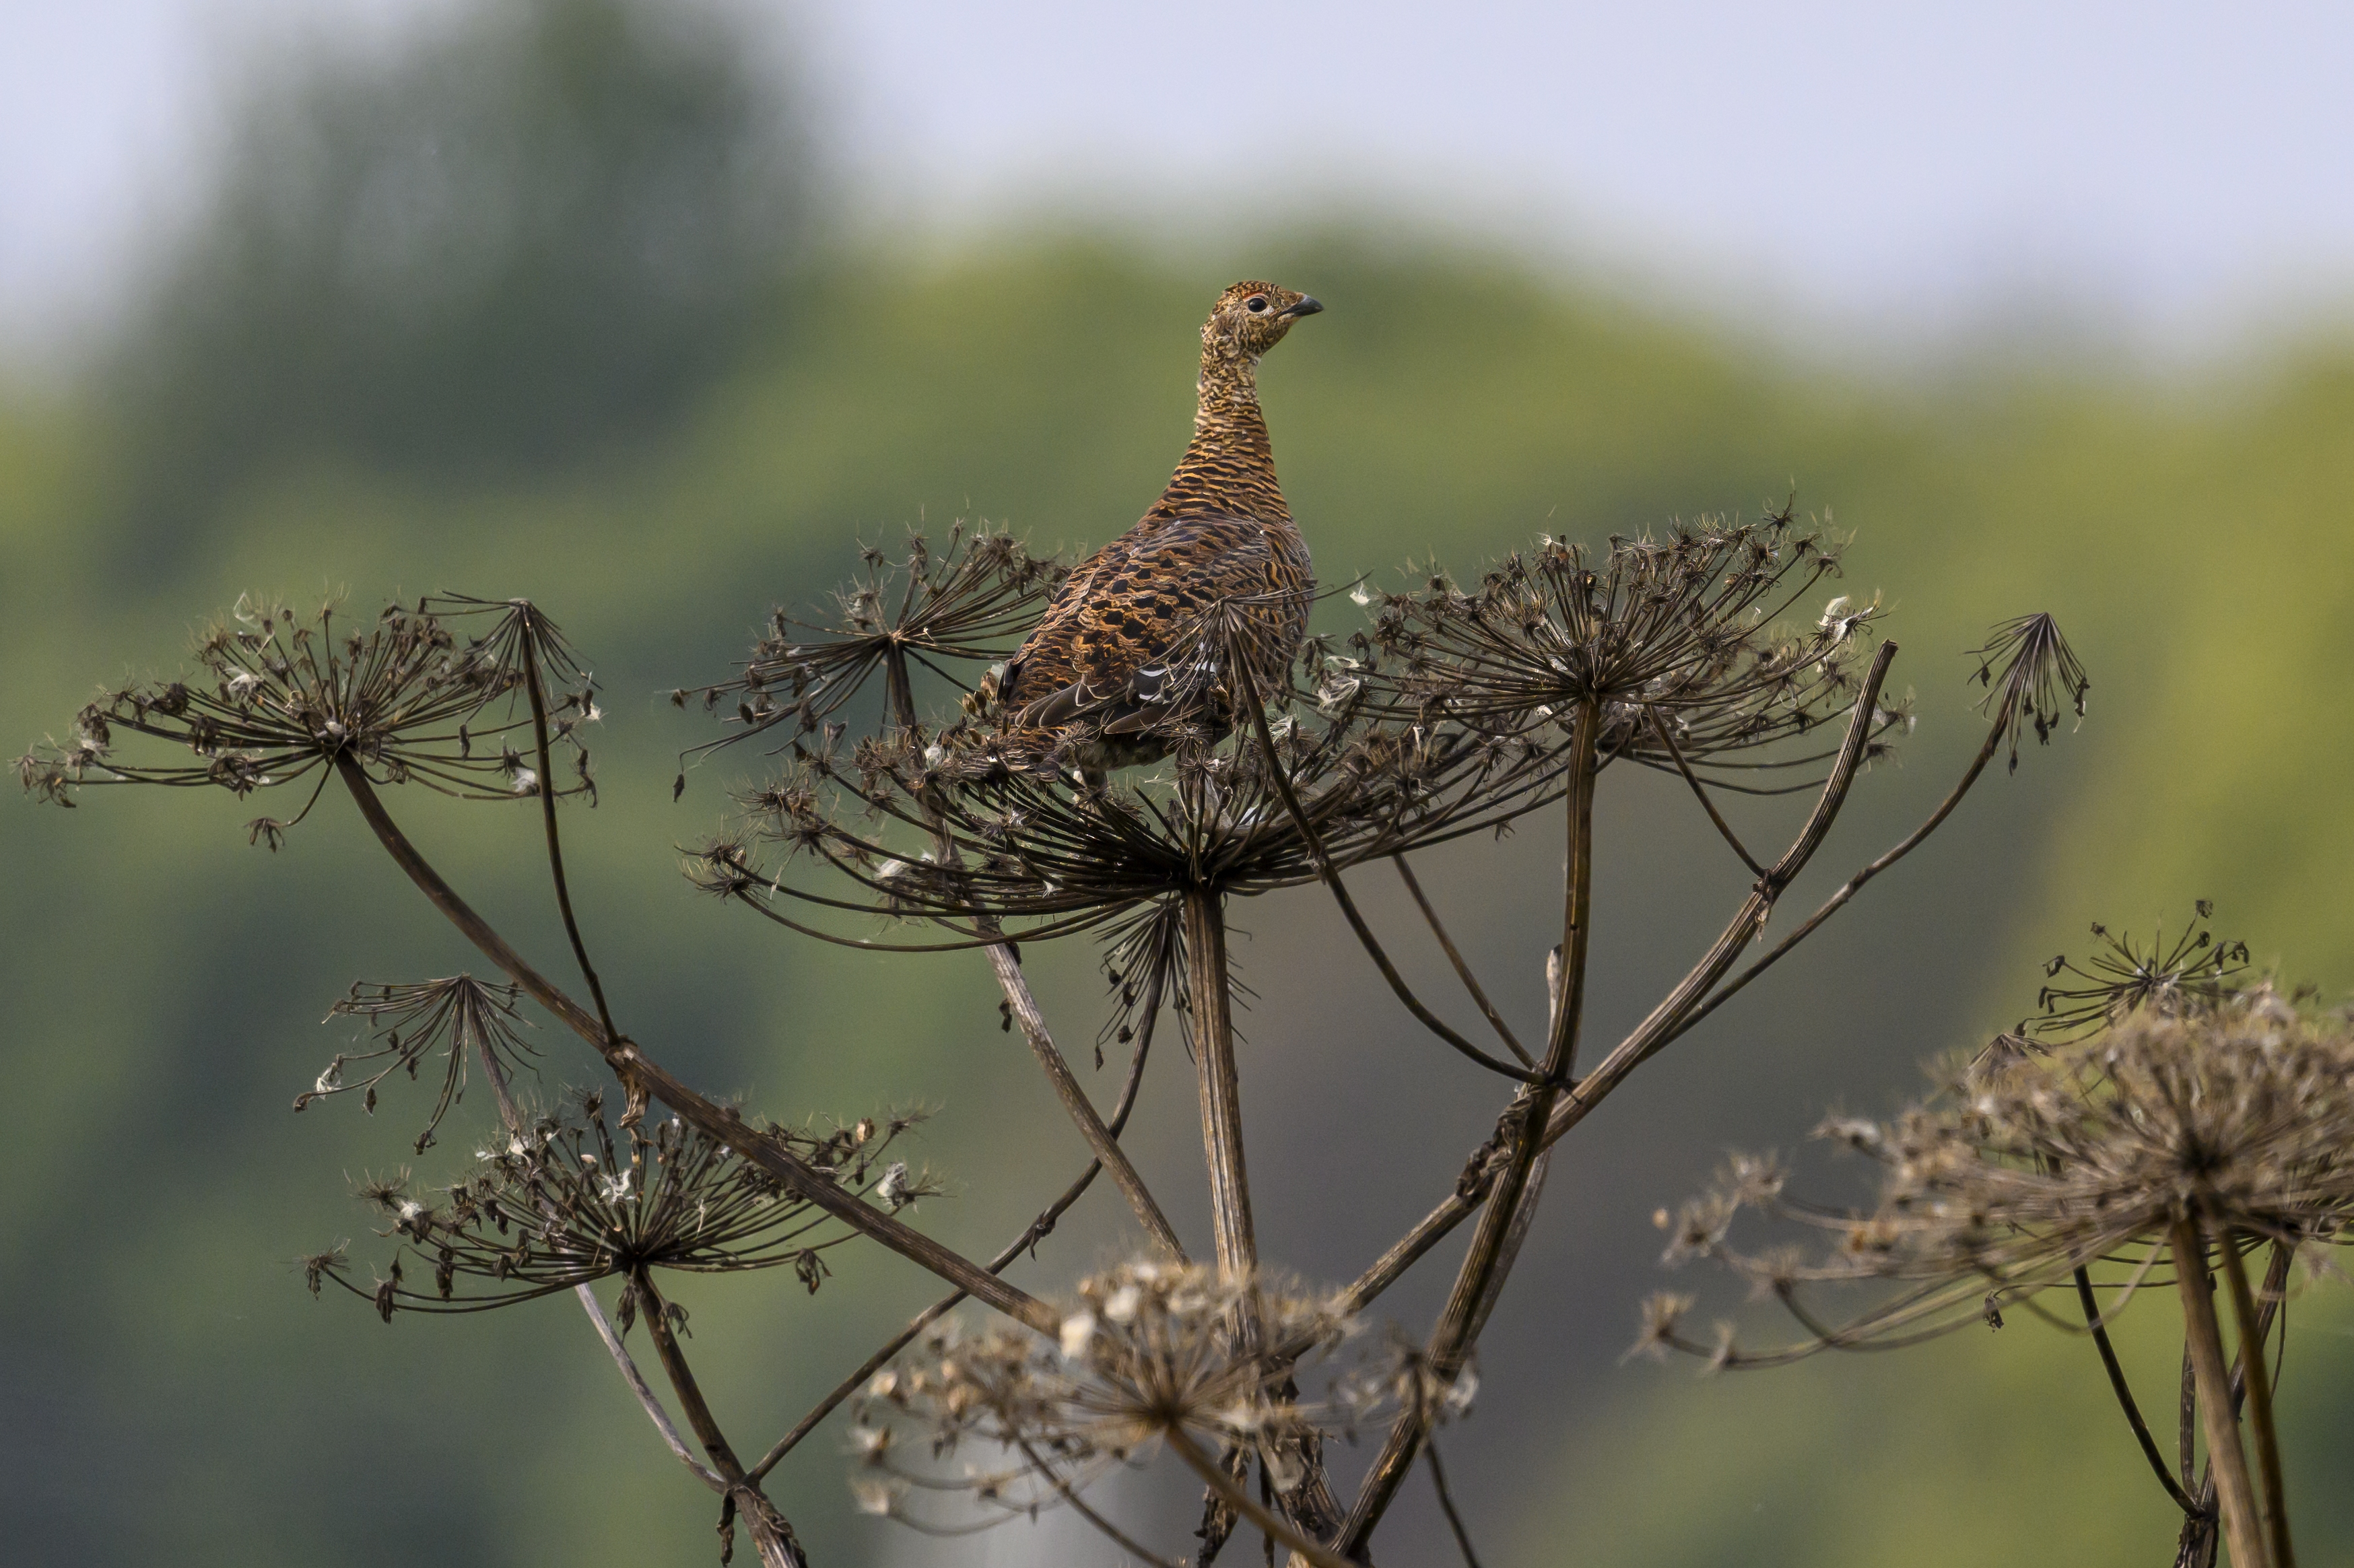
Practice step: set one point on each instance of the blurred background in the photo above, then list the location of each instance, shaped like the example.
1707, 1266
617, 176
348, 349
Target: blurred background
655, 312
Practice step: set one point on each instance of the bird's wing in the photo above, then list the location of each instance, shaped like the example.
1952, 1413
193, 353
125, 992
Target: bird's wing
1128, 646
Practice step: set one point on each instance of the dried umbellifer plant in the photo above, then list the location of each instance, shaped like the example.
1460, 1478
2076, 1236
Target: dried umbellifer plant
905, 817
2160, 1123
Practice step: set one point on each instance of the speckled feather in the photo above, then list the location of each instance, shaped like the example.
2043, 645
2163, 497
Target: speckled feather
1119, 653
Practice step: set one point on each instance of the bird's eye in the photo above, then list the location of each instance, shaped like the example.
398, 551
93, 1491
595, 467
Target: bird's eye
1256, 303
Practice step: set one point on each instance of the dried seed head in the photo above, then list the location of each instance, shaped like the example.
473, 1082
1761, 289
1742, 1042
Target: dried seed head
281, 696
2032, 677
1144, 1348
2229, 1109
567, 1199
458, 1019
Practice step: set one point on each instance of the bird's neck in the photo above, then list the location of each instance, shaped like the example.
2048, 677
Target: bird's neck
1228, 468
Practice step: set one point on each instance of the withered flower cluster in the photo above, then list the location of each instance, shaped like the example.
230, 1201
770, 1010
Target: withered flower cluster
458, 1018
968, 605
1060, 855
1682, 642
2195, 971
2030, 674
1147, 1355
1446, 717
562, 1202
281, 696
2233, 1114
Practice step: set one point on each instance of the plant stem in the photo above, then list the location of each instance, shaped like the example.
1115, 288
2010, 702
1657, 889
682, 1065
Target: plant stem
725, 1126
1447, 1502
1485, 1264
2205, 1338
1332, 876
1107, 1148
771, 1536
2274, 1498
1210, 1021
1462, 971
1242, 1503
2125, 1394
533, 685
512, 1114
1070, 1495
1673, 1015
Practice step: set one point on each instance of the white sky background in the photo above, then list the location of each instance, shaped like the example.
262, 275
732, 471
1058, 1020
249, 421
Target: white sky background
2163, 173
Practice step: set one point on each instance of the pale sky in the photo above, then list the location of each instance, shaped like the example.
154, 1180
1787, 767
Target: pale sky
2168, 169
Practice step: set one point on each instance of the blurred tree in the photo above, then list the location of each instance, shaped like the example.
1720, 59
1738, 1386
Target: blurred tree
519, 240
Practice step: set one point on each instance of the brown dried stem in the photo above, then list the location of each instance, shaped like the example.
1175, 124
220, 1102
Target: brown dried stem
1210, 1021
1324, 869
771, 1535
1100, 1138
1699, 793
1262, 1517
2100, 1331
1485, 1263
1671, 1018
536, 688
1070, 1494
510, 1114
2204, 1338
1462, 969
2259, 1383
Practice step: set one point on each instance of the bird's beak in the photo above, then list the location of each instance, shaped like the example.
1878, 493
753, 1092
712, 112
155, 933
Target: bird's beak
1308, 306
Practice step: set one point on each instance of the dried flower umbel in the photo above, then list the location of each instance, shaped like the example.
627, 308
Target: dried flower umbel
2122, 977
2030, 674
281, 696
2198, 1126
968, 605
1680, 639
1146, 1356
1052, 855
458, 1018
564, 1203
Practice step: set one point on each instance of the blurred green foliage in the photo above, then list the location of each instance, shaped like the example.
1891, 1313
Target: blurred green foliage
519, 246
657, 431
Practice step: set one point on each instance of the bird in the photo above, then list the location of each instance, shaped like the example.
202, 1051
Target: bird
1128, 657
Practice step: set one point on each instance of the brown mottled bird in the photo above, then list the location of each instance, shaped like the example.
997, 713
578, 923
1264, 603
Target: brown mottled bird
1128, 656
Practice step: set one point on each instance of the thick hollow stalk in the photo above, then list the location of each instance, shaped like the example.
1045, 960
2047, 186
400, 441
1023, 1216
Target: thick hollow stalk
1210, 1021
632, 1066
1210, 1017
2259, 1383
1486, 1262
2203, 1337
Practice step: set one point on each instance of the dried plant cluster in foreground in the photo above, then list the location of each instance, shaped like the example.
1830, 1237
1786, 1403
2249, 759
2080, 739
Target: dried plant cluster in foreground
902, 816
2165, 1120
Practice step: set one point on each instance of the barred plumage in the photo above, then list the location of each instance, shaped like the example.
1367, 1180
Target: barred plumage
1130, 656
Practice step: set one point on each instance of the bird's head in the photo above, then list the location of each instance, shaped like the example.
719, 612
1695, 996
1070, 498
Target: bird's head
1252, 317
